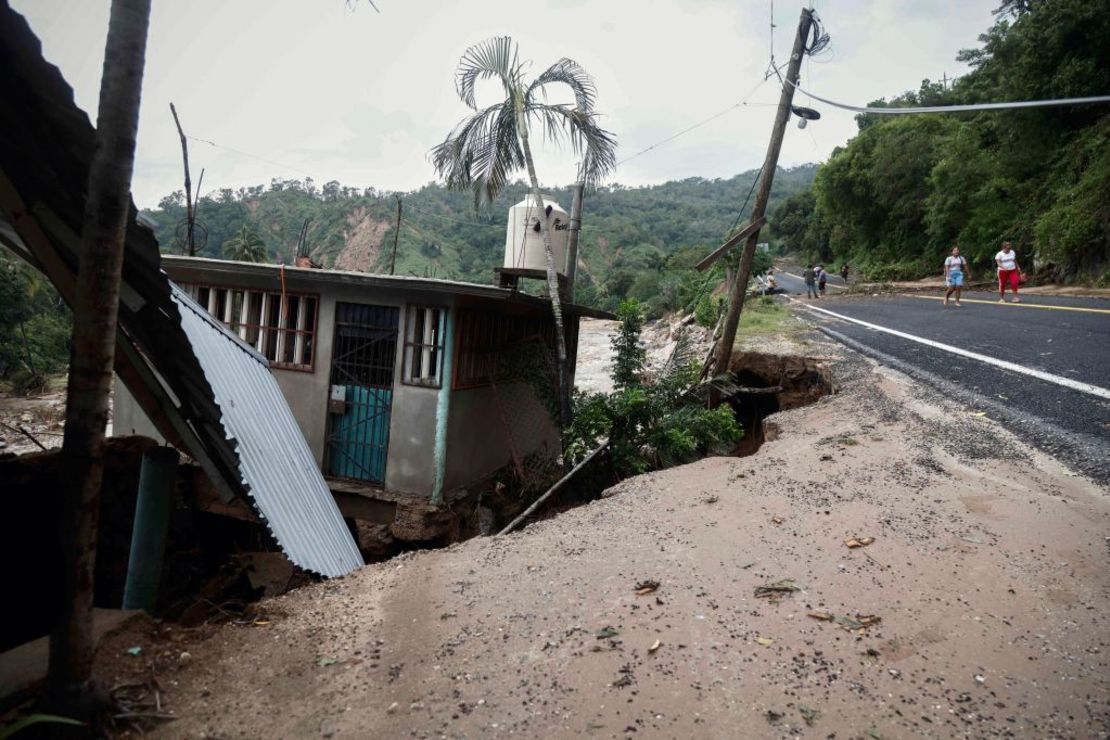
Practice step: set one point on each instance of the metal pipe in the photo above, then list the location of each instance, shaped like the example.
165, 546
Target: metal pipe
443, 404
572, 238
152, 520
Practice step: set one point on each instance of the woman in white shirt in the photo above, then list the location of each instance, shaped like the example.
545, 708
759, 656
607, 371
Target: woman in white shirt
1008, 272
955, 272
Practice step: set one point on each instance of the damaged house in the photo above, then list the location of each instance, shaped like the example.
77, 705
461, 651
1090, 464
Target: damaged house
409, 391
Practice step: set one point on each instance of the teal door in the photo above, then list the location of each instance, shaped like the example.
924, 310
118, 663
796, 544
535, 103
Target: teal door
364, 353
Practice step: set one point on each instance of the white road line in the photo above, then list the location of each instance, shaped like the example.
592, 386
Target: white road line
1093, 390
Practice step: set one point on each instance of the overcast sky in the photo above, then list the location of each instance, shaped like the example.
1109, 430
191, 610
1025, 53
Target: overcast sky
298, 88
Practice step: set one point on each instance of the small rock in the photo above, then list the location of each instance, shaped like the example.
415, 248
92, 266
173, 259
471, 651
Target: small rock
185, 657
392, 708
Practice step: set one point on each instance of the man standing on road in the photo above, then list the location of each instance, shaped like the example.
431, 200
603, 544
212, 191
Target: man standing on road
822, 276
844, 272
810, 278
955, 272
1008, 272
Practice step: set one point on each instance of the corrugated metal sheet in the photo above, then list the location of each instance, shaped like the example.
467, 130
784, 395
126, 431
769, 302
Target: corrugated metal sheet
218, 401
276, 465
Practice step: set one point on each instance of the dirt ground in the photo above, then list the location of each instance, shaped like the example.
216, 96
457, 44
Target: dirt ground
41, 416
989, 573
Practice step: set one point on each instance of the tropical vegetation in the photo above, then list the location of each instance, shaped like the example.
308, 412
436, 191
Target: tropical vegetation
485, 149
651, 420
895, 199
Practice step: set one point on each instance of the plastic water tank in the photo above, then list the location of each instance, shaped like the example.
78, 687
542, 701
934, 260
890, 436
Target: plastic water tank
524, 241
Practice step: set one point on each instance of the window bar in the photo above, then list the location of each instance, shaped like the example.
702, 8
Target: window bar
279, 354
263, 324
229, 300
426, 350
302, 319
243, 315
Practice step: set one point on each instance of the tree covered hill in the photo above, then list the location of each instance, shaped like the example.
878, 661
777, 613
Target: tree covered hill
633, 238
896, 198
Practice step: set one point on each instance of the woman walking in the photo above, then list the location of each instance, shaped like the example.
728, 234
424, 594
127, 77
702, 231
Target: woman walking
955, 272
810, 278
822, 276
1008, 272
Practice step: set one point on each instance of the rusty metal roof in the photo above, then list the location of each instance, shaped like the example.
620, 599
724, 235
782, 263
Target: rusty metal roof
203, 388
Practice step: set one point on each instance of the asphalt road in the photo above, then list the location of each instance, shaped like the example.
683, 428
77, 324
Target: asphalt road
1066, 337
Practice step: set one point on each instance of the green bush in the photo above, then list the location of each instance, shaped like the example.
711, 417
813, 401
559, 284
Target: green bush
650, 424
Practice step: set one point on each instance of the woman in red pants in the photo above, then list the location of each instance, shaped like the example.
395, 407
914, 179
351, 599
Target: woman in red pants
1008, 272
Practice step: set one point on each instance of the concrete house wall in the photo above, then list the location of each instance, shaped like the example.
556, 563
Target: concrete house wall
480, 420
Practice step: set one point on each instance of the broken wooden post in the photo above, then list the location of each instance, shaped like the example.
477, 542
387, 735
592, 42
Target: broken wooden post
148, 534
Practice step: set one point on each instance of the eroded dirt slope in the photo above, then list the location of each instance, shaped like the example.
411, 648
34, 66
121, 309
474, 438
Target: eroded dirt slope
989, 571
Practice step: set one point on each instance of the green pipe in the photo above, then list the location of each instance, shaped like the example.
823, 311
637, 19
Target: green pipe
152, 520
443, 404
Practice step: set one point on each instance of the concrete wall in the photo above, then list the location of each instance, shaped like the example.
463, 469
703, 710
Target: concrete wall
477, 438
128, 419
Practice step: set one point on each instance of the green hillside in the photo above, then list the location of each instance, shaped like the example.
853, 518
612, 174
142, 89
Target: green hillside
635, 240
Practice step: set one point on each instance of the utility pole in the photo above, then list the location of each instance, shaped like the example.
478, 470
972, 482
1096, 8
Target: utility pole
190, 249
740, 285
572, 237
396, 234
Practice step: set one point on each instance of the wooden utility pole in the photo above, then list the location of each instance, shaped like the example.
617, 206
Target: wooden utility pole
740, 285
190, 249
396, 235
572, 237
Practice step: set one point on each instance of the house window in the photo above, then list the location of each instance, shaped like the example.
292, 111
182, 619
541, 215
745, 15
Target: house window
424, 334
282, 327
486, 341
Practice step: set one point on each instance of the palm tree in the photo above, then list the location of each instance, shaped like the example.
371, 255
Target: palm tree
484, 150
245, 246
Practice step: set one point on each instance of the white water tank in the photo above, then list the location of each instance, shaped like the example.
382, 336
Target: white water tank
524, 241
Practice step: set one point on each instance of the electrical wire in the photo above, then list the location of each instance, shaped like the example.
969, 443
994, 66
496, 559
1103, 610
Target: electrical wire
699, 124
1056, 102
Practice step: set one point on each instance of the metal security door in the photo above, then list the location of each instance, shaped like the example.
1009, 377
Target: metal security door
364, 354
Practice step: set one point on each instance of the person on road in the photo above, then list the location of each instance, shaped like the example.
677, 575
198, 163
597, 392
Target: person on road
822, 276
844, 272
772, 284
955, 272
810, 277
1008, 272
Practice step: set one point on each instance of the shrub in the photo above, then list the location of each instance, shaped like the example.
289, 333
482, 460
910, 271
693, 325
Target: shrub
652, 423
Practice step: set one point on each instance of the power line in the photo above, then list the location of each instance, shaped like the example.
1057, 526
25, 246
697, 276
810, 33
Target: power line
1055, 102
699, 124
248, 154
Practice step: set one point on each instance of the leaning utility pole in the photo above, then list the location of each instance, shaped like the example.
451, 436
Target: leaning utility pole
572, 237
740, 285
190, 248
396, 234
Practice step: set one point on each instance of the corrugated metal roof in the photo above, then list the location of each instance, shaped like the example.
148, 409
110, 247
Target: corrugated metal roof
275, 463
219, 401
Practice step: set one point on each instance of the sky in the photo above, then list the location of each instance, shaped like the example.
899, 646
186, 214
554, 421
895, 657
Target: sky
334, 90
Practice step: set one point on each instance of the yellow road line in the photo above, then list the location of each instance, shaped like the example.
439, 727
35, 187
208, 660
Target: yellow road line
1018, 305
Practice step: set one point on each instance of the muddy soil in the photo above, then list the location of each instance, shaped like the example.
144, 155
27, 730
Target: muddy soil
41, 416
979, 609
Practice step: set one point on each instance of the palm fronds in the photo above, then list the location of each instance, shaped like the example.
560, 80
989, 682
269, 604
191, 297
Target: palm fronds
484, 150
